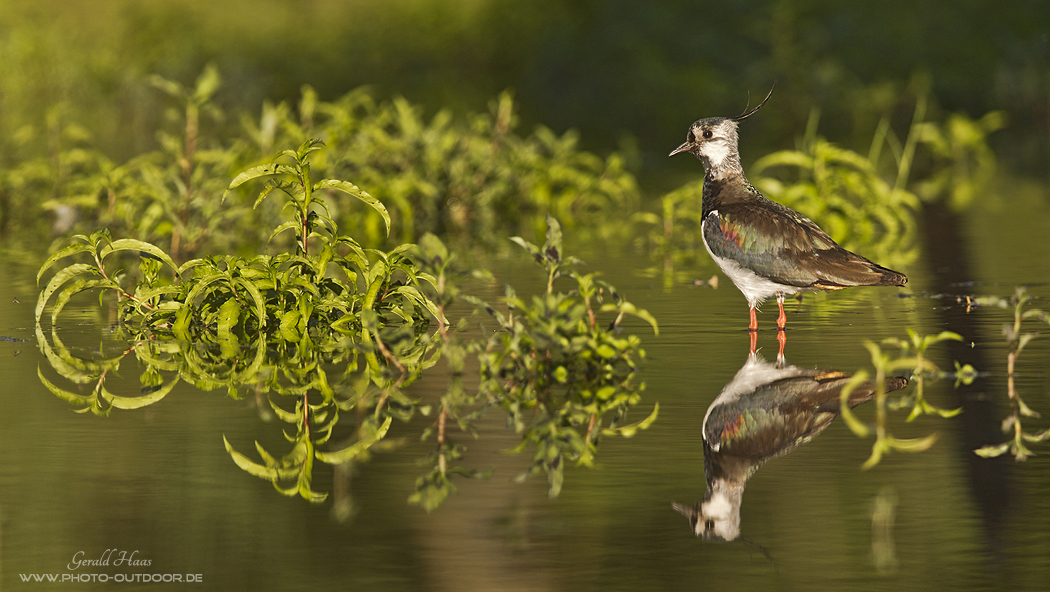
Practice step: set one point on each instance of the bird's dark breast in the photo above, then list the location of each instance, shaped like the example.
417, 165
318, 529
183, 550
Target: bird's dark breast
729, 190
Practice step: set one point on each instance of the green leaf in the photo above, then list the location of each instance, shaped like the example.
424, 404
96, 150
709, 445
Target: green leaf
561, 374
285, 416
341, 323
851, 420
71, 290
948, 412
181, 327
354, 190
62, 253
377, 282
1024, 339
63, 394
207, 83
1037, 437
421, 300
229, 315
913, 444
191, 264
173, 89
139, 402
552, 248
60, 278
555, 477
948, 335
145, 294
355, 449
289, 225
531, 248
203, 284
129, 244
628, 431
255, 172
311, 145
993, 450
257, 299
246, 464
783, 158
431, 247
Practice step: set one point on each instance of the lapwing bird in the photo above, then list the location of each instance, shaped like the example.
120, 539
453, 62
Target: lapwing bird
767, 410
765, 248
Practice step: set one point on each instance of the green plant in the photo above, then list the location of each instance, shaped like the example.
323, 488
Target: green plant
557, 370
332, 329
457, 404
474, 180
1017, 340
296, 303
962, 161
58, 182
913, 359
469, 179
914, 348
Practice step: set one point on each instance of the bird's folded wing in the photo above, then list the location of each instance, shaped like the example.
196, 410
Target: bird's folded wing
784, 246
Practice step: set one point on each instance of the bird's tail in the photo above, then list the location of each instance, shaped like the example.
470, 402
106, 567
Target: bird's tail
888, 277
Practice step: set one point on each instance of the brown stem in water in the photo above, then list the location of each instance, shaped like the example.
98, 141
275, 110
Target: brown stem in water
441, 439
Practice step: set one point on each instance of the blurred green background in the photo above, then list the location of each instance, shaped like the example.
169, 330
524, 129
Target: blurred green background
620, 72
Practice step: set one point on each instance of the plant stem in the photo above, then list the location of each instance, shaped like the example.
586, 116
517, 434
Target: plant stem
307, 196
102, 270
441, 439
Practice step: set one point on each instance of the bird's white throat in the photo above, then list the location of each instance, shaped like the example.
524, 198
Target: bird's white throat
719, 157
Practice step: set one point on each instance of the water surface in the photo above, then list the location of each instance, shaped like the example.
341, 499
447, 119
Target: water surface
159, 481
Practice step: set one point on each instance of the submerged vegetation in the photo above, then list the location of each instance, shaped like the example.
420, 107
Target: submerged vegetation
329, 329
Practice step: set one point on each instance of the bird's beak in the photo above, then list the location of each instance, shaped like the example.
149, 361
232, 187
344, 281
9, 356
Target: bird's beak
683, 148
687, 511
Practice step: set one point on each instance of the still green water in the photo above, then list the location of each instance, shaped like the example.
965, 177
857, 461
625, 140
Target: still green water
157, 481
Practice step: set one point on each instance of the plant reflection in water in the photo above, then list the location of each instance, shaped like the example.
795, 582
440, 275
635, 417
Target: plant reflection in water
767, 410
560, 365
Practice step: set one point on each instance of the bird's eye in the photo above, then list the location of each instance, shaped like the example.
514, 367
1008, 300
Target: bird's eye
709, 525
707, 134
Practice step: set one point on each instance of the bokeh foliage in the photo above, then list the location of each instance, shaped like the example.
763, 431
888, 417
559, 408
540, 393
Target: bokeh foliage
605, 68
472, 180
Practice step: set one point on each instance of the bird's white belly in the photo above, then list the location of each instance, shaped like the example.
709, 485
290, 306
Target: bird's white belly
755, 287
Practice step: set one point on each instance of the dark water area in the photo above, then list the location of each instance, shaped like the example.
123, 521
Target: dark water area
158, 482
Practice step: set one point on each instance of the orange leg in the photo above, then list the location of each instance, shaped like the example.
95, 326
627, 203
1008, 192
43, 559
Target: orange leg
754, 321
782, 320
782, 337
754, 341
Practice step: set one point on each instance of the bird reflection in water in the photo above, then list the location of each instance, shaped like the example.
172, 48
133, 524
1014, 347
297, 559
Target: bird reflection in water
766, 410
